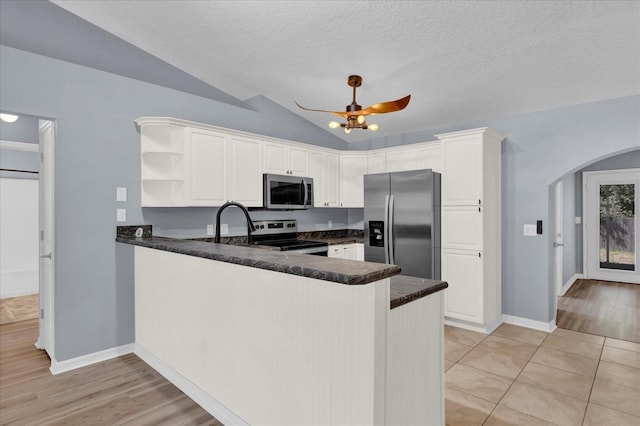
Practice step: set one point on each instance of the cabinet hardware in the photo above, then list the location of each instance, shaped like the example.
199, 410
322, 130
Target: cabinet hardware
479, 210
479, 201
479, 254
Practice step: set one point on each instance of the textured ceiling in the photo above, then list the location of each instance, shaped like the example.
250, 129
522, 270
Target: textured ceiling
460, 60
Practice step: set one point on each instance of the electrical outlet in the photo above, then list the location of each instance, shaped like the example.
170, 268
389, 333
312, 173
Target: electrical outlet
121, 194
330, 225
224, 229
209, 229
121, 215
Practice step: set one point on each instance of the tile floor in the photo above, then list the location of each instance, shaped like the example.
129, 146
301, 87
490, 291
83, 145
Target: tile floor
21, 308
519, 376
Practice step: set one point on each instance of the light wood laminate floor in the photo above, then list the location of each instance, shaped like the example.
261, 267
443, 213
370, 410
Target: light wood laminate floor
603, 308
121, 391
20, 308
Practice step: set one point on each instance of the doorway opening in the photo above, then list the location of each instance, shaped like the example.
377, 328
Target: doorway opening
26, 177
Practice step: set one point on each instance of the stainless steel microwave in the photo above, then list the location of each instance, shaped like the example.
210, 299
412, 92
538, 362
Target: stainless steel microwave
287, 192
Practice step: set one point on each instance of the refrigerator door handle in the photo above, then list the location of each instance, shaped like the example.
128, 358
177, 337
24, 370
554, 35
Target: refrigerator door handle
385, 239
390, 226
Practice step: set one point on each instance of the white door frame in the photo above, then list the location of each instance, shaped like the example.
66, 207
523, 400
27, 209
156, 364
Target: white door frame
590, 211
46, 194
558, 244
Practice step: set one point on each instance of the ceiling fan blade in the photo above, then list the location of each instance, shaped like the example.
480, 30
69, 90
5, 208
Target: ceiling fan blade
340, 113
385, 107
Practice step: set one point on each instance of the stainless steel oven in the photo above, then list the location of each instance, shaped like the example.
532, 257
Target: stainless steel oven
287, 192
282, 235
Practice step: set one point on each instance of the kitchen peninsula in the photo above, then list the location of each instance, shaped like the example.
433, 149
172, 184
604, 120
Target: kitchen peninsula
265, 337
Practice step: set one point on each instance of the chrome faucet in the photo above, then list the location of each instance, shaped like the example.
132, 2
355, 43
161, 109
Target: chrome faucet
251, 227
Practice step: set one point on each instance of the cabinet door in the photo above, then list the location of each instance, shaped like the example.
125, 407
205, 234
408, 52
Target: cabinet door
349, 251
332, 180
462, 227
352, 170
245, 164
317, 172
429, 157
275, 158
336, 251
462, 270
376, 162
400, 160
208, 168
462, 177
298, 161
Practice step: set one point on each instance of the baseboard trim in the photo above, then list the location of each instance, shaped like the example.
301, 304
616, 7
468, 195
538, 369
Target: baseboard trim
58, 367
200, 397
486, 329
529, 323
569, 283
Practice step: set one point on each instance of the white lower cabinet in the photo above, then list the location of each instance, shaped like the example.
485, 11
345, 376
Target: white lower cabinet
462, 270
342, 251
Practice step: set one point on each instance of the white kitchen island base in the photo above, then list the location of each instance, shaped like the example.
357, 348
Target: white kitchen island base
261, 347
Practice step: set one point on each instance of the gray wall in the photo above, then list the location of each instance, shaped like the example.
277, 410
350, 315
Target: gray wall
24, 129
540, 149
98, 149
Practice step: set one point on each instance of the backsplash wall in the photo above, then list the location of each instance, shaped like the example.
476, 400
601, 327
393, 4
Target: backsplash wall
191, 222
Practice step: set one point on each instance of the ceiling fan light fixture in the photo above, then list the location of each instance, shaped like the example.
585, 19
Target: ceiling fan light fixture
355, 115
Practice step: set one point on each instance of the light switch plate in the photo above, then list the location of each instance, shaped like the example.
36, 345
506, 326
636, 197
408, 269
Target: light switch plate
121, 194
210, 229
530, 230
121, 215
224, 229
577, 220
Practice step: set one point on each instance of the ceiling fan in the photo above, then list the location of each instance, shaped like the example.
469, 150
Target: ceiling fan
356, 116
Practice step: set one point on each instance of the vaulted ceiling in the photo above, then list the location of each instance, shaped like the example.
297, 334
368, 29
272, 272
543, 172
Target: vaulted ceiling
460, 60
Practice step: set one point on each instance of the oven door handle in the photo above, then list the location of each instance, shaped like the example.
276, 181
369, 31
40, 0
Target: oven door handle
310, 250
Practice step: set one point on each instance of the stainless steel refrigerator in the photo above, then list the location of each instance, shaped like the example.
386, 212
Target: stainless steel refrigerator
402, 221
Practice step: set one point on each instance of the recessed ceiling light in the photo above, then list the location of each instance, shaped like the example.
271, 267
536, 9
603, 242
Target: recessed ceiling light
9, 118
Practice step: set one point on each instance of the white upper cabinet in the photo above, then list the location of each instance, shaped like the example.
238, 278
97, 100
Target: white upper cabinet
189, 164
163, 166
244, 171
283, 159
401, 159
472, 166
324, 169
462, 184
208, 167
376, 162
353, 167
429, 156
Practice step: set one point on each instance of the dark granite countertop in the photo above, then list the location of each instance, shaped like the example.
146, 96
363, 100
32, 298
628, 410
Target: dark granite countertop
341, 271
332, 237
405, 289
